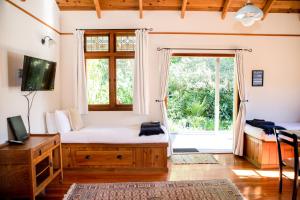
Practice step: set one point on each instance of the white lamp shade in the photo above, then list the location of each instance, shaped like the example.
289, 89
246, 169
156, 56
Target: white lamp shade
247, 21
248, 14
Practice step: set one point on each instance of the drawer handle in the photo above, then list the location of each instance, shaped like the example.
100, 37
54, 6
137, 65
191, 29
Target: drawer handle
54, 142
119, 157
87, 157
40, 152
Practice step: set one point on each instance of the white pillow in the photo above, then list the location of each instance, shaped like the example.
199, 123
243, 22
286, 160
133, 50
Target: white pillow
75, 119
62, 121
50, 122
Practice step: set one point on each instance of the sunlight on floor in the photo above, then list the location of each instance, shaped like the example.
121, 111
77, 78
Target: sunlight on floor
261, 173
245, 173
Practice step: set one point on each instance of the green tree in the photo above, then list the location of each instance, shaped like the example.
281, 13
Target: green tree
191, 101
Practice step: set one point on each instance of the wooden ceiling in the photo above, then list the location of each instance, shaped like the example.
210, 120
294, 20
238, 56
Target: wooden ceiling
224, 6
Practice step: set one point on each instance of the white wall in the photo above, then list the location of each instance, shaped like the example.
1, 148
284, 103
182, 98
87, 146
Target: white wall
278, 100
22, 34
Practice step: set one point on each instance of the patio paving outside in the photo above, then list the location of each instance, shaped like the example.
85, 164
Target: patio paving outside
205, 142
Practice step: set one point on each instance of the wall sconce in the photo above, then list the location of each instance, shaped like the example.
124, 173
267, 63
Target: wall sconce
47, 39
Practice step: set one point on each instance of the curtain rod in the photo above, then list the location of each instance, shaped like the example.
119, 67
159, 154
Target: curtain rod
93, 29
249, 50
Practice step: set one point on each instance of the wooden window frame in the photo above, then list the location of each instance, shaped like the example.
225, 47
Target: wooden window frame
112, 55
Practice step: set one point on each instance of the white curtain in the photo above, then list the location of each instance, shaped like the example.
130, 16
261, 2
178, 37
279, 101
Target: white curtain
164, 62
241, 117
81, 100
140, 92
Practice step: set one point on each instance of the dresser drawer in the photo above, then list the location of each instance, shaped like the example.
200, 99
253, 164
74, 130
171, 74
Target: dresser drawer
46, 146
103, 158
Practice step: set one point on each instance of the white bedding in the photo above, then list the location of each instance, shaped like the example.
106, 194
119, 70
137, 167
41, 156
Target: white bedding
112, 135
260, 134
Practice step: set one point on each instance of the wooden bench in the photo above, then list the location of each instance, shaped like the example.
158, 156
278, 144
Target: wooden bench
264, 154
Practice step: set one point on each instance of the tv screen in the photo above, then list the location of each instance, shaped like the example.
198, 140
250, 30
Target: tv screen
38, 74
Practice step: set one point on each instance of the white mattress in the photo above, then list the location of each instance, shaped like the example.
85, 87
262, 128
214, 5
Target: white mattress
260, 134
112, 135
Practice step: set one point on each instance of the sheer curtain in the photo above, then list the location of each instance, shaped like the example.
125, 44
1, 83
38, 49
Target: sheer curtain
241, 117
164, 62
81, 100
140, 93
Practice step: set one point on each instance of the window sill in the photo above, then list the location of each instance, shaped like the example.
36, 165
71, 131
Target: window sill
110, 108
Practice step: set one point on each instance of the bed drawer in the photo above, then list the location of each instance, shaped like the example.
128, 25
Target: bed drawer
104, 158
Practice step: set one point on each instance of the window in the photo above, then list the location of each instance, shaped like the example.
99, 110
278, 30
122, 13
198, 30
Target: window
109, 58
98, 81
97, 43
125, 80
125, 43
201, 93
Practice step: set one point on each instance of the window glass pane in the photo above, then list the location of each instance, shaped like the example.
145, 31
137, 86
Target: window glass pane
191, 99
98, 81
125, 43
96, 43
226, 93
125, 81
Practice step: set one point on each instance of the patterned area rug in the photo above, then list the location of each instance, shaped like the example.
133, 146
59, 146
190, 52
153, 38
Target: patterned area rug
193, 159
222, 189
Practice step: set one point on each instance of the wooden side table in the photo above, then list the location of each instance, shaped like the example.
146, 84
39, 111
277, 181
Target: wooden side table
26, 169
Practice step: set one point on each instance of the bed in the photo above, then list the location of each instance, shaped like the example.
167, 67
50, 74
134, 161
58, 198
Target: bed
261, 149
115, 149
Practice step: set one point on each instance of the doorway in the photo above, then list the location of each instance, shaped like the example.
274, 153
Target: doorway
201, 102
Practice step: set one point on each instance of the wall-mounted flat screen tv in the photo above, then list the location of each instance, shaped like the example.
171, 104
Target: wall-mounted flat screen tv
38, 74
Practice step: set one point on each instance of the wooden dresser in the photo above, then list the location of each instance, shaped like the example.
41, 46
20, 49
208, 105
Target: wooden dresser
26, 169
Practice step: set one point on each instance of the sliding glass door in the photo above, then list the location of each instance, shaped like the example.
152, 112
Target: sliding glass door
201, 94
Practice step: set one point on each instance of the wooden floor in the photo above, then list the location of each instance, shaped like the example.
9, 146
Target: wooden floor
253, 183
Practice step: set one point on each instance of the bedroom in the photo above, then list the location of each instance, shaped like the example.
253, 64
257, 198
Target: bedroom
275, 52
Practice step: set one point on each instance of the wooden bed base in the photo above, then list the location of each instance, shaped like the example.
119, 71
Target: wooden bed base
264, 154
116, 157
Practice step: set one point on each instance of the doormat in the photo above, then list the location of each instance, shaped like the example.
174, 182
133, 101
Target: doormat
193, 159
185, 150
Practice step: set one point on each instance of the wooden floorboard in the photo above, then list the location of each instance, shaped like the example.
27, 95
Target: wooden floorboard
252, 183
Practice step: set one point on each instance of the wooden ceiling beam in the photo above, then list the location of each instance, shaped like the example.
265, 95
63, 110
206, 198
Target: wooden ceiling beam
183, 8
98, 8
267, 8
225, 8
222, 6
141, 9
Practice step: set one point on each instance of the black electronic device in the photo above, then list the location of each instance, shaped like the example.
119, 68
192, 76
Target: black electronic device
18, 129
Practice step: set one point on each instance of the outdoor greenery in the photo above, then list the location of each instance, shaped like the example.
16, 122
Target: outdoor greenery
98, 81
125, 81
191, 100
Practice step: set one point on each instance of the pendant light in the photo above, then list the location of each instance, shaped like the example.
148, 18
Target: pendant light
249, 14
